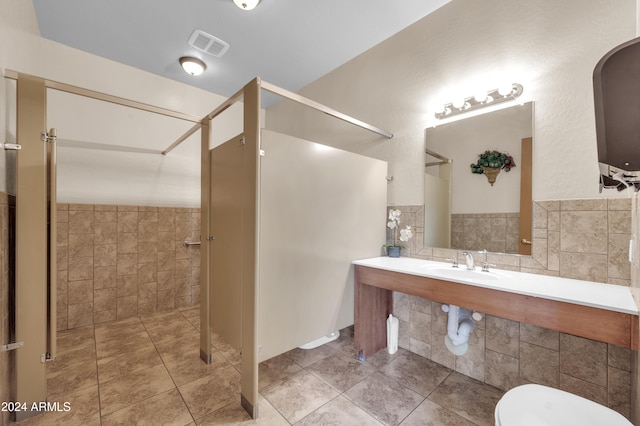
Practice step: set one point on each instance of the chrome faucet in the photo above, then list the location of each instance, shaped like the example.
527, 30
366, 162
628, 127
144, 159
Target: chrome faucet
469, 259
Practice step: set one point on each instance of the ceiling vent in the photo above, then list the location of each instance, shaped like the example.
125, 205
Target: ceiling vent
208, 44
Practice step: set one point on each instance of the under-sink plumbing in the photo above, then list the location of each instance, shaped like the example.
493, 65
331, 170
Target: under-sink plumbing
460, 325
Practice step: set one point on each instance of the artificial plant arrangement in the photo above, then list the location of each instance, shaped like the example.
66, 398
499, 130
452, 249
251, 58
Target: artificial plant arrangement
404, 234
491, 162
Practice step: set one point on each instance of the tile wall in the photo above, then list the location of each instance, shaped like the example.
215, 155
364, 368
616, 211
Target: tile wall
116, 262
498, 232
582, 239
6, 358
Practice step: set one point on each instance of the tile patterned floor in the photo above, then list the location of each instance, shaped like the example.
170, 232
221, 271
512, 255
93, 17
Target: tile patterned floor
147, 371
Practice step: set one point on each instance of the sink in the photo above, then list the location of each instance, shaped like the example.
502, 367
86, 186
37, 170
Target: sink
463, 273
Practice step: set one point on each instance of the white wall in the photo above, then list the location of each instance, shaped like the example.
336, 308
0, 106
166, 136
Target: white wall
550, 47
108, 173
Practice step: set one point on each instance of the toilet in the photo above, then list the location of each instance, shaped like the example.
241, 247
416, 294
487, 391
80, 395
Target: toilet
536, 405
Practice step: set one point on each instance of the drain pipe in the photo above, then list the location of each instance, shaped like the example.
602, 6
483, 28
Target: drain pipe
460, 324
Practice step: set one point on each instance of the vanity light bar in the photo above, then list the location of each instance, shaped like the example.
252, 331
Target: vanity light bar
493, 97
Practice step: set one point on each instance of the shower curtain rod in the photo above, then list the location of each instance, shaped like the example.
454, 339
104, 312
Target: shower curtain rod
288, 95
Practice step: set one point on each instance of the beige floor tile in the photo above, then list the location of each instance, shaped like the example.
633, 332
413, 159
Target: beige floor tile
306, 357
172, 351
341, 371
299, 395
166, 408
385, 399
72, 339
234, 415
133, 388
469, 398
117, 346
275, 370
431, 414
118, 329
190, 367
338, 412
416, 373
172, 330
75, 377
115, 366
211, 393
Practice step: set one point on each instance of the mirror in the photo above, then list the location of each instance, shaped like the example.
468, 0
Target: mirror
463, 210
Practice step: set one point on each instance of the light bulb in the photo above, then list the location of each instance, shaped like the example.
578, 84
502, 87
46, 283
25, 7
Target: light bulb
458, 103
480, 97
505, 89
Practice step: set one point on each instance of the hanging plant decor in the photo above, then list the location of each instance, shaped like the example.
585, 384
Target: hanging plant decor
491, 162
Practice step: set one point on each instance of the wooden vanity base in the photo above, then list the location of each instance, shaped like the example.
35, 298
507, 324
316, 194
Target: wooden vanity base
374, 302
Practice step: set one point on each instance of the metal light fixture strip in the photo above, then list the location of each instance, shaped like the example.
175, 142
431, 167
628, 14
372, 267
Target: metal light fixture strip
470, 104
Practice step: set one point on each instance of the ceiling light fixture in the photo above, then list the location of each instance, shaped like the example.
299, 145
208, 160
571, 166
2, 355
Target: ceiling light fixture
193, 66
480, 100
246, 4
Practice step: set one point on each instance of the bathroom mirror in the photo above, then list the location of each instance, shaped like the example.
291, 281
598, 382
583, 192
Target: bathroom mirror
463, 210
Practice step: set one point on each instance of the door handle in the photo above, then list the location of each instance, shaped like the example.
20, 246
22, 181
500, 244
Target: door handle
525, 242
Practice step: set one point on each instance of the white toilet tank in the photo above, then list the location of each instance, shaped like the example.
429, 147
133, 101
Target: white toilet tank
536, 405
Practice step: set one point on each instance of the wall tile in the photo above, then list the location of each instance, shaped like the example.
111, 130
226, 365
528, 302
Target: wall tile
584, 204
80, 245
104, 277
539, 365
80, 314
584, 389
80, 268
104, 299
583, 232
80, 222
127, 221
619, 221
420, 326
501, 371
80, 291
127, 285
402, 306
440, 353
127, 242
584, 266
544, 337
503, 336
105, 255
148, 252
619, 357
148, 232
127, 306
105, 233
619, 390
127, 264
583, 359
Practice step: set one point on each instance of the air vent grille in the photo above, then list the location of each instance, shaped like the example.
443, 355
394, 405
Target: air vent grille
208, 44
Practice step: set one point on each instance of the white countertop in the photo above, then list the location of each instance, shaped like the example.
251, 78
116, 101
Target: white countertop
587, 293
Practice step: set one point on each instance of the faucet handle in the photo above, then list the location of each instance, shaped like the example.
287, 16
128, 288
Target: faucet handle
486, 265
454, 261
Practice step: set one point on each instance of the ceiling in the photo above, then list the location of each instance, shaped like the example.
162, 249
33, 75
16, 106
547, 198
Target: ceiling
289, 43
